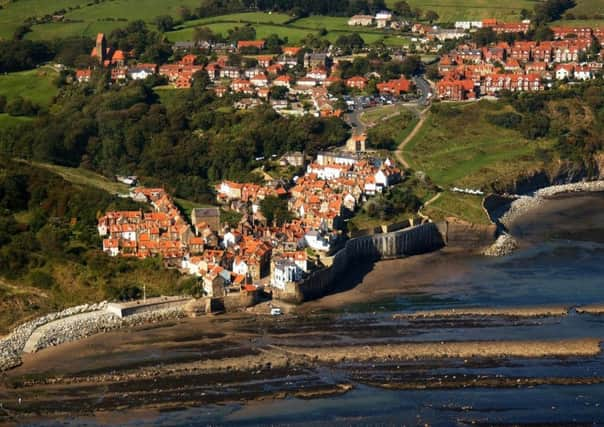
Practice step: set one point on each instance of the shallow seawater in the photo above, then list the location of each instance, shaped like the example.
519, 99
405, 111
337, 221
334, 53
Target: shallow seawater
556, 266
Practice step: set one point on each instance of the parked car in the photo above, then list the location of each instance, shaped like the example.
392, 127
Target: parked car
276, 311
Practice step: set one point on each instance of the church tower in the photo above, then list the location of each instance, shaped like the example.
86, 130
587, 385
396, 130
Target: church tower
101, 47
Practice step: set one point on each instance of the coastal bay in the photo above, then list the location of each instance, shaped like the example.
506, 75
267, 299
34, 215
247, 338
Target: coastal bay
532, 296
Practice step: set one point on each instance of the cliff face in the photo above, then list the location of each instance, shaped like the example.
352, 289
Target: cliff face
561, 172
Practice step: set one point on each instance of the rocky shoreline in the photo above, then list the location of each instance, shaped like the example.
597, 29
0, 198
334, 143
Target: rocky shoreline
525, 204
438, 350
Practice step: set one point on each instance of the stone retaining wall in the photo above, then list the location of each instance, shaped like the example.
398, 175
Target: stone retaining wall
416, 240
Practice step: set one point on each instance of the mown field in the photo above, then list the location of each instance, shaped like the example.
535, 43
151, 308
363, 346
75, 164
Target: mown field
457, 146
36, 85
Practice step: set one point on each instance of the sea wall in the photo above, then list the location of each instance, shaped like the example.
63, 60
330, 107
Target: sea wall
12, 345
69, 325
415, 240
465, 235
141, 306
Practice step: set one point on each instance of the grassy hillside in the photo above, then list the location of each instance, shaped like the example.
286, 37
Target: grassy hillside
588, 8
457, 146
293, 35
36, 85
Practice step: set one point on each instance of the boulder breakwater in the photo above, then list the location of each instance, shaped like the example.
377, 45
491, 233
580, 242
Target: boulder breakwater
527, 203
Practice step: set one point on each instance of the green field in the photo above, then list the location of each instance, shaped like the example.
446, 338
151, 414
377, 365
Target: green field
14, 13
466, 10
249, 17
36, 85
293, 35
72, 29
328, 22
587, 8
457, 146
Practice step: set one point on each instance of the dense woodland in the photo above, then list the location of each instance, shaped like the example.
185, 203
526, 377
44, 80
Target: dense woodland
572, 115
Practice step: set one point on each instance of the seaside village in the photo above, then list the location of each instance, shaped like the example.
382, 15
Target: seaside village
521, 66
467, 72
255, 253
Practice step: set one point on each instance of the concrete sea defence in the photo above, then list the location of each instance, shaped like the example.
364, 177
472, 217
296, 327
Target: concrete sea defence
415, 240
13, 344
69, 325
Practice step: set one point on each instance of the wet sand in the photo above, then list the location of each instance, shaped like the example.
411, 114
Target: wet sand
393, 277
